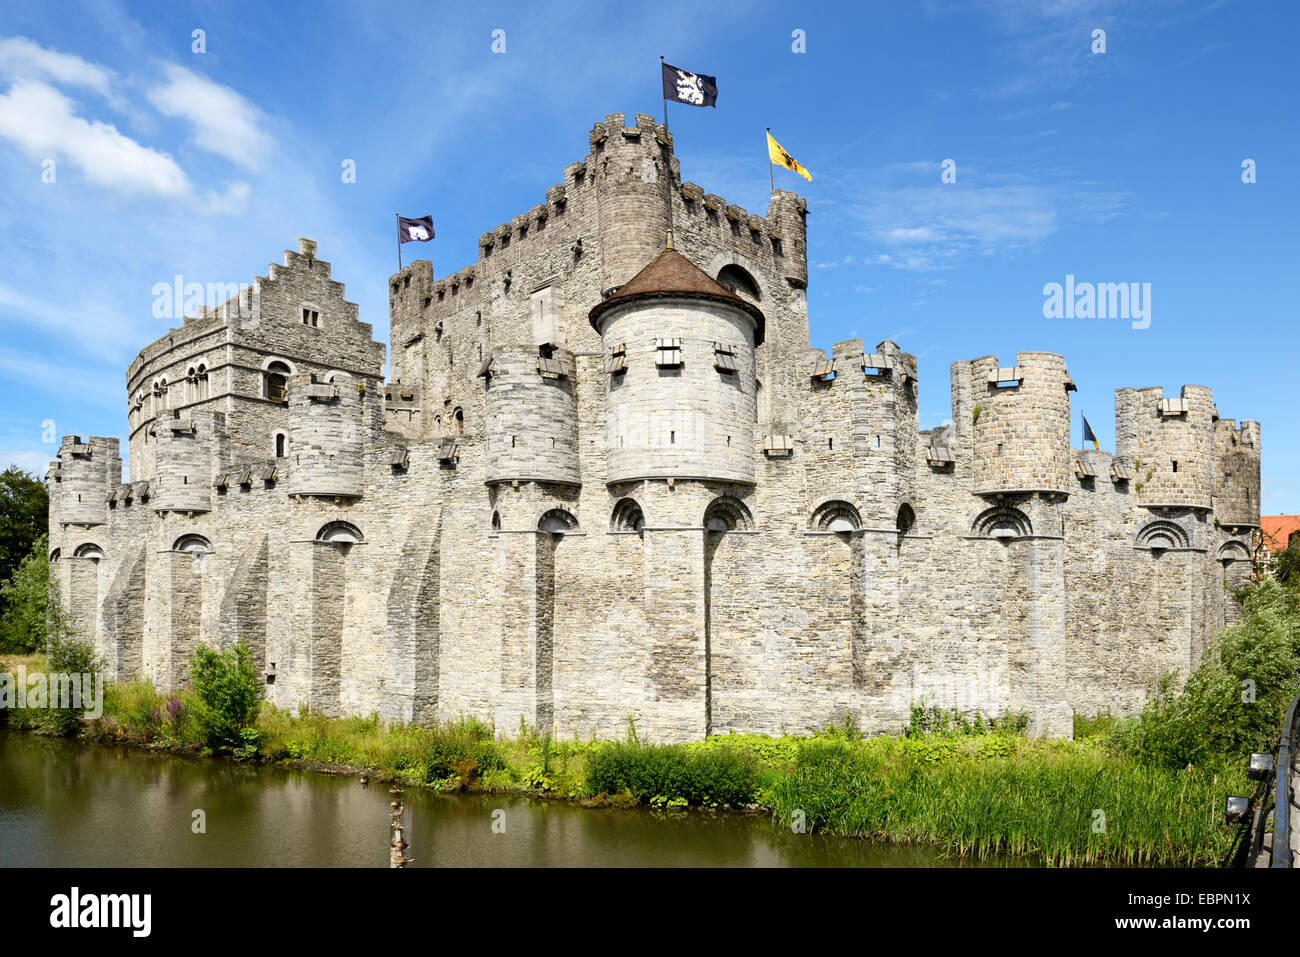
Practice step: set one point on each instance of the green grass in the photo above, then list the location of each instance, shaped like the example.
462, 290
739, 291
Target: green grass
1145, 790
674, 775
971, 793
1019, 796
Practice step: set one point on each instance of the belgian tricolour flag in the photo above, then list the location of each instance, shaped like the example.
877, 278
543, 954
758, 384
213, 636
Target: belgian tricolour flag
1088, 435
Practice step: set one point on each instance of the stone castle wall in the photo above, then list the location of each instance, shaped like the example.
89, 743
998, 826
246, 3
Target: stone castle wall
514, 526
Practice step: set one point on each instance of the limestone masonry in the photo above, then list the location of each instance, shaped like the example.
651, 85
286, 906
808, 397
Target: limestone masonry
611, 480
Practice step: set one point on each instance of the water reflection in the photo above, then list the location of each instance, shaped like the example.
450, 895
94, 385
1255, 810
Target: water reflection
65, 804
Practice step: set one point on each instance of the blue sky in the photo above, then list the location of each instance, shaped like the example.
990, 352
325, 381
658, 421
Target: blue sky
1122, 166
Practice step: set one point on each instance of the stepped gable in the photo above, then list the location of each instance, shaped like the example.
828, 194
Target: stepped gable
672, 275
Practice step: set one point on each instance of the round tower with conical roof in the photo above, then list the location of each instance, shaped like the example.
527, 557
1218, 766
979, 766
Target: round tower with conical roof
679, 353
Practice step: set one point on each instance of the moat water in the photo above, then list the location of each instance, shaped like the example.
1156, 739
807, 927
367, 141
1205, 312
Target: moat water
64, 804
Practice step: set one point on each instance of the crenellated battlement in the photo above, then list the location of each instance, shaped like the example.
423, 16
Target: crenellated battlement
1236, 474
1170, 444
1016, 419
611, 479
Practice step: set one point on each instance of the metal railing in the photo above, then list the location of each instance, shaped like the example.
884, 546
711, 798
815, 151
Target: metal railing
1282, 798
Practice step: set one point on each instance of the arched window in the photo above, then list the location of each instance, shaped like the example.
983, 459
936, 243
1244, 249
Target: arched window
1002, 521
905, 520
280, 445
460, 421
836, 516
738, 280
162, 394
89, 550
201, 380
277, 381
627, 516
1233, 552
727, 514
54, 555
1161, 535
196, 545
496, 521
340, 533
557, 521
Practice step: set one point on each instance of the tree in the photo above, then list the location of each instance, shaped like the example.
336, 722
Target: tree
1287, 569
25, 601
24, 517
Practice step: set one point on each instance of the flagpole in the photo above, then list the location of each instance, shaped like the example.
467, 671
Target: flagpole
668, 172
665, 95
398, 217
771, 185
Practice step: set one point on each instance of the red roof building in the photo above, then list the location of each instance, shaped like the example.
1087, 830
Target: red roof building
1278, 531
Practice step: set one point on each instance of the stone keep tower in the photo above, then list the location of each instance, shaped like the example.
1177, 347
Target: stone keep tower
330, 424
681, 400
1019, 422
185, 457
532, 416
1169, 443
859, 436
87, 472
1236, 488
634, 175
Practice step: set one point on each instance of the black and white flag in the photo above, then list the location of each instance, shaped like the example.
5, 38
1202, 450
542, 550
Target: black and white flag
694, 89
414, 230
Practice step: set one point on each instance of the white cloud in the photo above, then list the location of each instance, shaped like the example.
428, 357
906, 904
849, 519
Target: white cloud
913, 234
21, 58
30, 460
101, 385
925, 228
223, 121
41, 121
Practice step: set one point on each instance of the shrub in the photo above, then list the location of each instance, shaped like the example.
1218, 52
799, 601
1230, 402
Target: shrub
64, 656
934, 721
227, 694
674, 774
1234, 701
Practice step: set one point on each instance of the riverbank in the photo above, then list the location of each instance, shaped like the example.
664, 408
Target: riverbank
968, 789
1144, 790
72, 803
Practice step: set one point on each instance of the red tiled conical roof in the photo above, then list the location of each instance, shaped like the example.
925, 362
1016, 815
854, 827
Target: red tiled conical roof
672, 275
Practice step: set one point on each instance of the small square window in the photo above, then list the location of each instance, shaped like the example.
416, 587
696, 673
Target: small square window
617, 361
724, 357
669, 353
310, 317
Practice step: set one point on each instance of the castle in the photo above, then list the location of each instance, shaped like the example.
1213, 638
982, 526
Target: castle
611, 480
